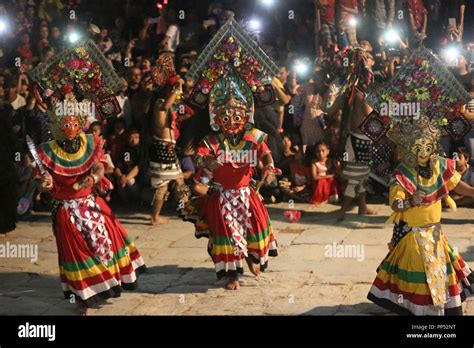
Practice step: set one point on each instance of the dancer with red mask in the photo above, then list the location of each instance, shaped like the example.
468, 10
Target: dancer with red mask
238, 224
238, 221
97, 258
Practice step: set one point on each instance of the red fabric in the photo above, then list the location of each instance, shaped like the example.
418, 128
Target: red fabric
24, 52
175, 124
418, 9
63, 185
292, 215
50, 162
349, 3
73, 247
299, 170
323, 189
346, 16
421, 300
211, 210
232, 175
327, 11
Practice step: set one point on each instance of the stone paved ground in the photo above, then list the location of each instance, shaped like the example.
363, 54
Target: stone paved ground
181, 279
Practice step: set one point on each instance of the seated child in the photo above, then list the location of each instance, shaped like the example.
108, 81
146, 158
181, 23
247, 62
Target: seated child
299, 188
323, 176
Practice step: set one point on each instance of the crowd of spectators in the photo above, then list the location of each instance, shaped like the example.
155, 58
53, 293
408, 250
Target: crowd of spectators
304, 38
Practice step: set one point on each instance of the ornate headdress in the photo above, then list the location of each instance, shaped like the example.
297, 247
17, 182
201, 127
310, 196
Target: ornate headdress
355, 67
232, 71
423, 99
164, 71
78, 81
407, 132
230, 92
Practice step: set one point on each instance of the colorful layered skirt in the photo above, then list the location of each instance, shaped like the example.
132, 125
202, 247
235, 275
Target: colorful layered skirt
422, 274
237, 225
97, 259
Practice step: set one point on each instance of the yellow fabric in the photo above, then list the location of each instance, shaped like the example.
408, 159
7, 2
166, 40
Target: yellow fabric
454, 181
408, 255
278, 83
95, 270
422, 215
405, 256
451, 203
58, 151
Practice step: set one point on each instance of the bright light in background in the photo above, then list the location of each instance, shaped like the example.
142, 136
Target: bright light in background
255, 24
353, 22
267, 3
73, 37
451, 53
391, 36
3, 25
301, 68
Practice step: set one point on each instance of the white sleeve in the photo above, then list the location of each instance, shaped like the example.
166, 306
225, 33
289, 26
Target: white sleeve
171, 31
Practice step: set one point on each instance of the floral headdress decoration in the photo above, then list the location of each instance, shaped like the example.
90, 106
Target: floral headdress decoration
81, 71
422, 88
164, 73
232, 59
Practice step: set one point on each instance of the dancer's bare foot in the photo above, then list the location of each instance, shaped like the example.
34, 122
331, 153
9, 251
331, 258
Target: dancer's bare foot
232, 283
368, 211
253, 267
159, 221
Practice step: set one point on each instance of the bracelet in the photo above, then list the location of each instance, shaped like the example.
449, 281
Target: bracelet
406, 204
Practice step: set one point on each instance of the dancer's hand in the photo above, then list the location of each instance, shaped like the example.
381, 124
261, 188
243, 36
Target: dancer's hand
269, 178
211, 163
87, 182
416, 199
268, 175
46, 182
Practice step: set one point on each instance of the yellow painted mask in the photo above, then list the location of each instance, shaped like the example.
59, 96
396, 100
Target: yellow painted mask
422, 149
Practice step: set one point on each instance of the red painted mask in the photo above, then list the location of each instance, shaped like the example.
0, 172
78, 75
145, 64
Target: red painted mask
71, 127
231, 121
